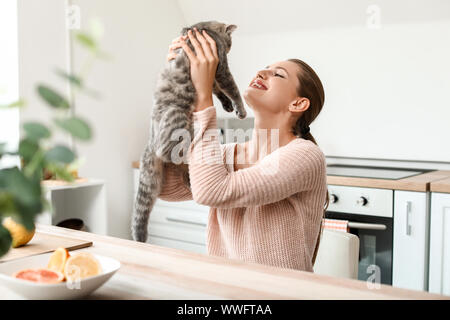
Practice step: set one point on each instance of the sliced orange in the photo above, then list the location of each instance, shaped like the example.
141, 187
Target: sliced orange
81, 265
58, 260
40, 275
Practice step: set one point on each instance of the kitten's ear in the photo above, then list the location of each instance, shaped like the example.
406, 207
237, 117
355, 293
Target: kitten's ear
230, 28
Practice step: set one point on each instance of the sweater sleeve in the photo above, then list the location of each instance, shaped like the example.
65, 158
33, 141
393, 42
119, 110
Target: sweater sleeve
288, 170
173, 188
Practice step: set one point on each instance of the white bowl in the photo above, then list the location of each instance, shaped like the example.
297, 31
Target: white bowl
61, 290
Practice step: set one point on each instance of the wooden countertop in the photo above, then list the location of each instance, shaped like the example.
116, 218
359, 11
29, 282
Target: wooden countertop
419, 182
442, 185
154, 272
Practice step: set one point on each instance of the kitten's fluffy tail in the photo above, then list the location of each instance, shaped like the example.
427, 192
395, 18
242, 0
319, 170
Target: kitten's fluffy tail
150, 177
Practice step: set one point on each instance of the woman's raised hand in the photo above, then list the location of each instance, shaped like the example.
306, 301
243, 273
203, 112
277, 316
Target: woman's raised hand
176, 43
203, 63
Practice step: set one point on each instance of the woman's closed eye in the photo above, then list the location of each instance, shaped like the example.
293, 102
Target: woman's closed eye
279, 75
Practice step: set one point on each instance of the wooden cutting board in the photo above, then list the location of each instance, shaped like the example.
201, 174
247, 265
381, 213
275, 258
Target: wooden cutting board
43, 243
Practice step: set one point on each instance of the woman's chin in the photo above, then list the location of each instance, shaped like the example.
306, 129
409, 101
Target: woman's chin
251, 97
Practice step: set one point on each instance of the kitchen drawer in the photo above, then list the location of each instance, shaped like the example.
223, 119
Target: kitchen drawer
177, 244
178, 231
190, 217
177, 224
191, 204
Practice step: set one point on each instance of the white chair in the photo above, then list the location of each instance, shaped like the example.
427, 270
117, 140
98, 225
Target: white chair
338, 254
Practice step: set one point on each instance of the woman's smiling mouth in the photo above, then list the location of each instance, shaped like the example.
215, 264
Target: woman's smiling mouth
258, 84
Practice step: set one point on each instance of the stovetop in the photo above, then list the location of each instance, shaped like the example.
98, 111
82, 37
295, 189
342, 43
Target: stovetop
373, 172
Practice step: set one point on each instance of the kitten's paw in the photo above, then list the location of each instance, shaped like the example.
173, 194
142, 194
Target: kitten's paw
241, 113
227, 106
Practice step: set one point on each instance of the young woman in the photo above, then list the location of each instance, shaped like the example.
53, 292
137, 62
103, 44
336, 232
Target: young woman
267, 209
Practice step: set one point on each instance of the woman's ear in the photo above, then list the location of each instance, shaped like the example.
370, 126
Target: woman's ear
299, 105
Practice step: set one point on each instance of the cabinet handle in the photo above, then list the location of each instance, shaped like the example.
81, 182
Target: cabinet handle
184, 221
408, 212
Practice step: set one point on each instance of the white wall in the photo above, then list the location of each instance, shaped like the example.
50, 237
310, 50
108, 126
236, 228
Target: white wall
43, 47
387, 89
9, 79
137, 35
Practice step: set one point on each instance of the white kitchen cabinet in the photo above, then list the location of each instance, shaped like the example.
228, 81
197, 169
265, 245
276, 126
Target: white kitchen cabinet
82, 200
439, 279
410, 247
182, 245
180, 224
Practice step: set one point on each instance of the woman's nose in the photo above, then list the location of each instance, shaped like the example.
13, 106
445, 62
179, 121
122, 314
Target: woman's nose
261, 74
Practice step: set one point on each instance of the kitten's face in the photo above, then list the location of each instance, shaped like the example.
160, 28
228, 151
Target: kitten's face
222, 29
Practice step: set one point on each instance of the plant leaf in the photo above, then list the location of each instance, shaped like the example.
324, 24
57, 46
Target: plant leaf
52, 97
16, 104
27, 149
2, 149
86, 40
6, 203
77, 81
36, 131
35, 165
5, 240
77, 127
60, 154
25, 193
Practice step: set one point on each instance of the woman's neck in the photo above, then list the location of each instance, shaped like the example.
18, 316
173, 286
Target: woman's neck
267, 136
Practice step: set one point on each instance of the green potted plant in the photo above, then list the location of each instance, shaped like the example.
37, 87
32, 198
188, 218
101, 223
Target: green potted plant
21, 191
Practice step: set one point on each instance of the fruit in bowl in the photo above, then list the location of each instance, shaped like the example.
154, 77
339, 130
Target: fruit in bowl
62, 266
58, 260
81, 266
93, 271
42, 275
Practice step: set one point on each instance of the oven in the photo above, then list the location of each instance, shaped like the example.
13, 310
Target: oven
370, 215
375, 244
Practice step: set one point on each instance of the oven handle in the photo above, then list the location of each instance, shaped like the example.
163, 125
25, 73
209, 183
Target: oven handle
366, 226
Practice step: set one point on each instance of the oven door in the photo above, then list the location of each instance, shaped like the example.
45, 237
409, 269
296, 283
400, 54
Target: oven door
375, 244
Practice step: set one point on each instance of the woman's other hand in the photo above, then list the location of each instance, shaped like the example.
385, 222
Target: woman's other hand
203, 62
176, 43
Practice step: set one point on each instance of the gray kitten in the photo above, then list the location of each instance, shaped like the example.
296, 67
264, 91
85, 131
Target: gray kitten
174, 100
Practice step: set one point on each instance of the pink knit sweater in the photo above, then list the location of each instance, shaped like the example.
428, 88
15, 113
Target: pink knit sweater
268, 213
